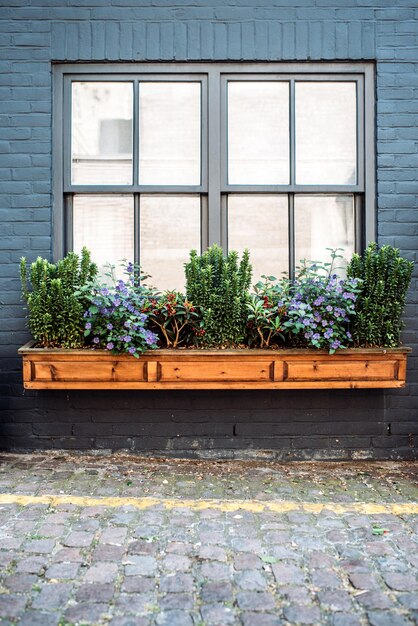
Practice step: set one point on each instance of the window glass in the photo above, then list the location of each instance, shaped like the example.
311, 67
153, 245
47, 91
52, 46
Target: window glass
258, 132
169, 135
323, 222
260, 223
326, 135
105, 225
101, 133
170, 228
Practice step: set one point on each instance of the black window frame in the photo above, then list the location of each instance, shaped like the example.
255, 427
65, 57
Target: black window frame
214, 187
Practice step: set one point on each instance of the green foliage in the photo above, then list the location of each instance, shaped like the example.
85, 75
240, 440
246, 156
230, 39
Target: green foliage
174, 319
385, 279
55, 311
266, 312
219, 286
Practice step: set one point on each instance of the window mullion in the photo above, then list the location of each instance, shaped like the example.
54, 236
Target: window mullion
292, 261
135, 138
292, 130
137, 220
214, 158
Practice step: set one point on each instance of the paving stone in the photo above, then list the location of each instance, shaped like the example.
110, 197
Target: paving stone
215, 571
67, 555
217, 614
107, 552
86, 613
138, 584
216, 592
176, 601
176, 583
255, 601
176, 562
345, 619
325, 579
251, 580
363, 581
95, 592
101, 573
374, 600
20, 582
52, 530
335, 600
129, 621
137, 565
287, 573
401, 582
179, 547
31, 565
302, 614
174, 618
409, 600
138, 603
143, 547
386, 618
260, 619
78, 539
39, 618
62, 570
114, 536
52, 596
296, 594
247, 561
214, 553
12, 605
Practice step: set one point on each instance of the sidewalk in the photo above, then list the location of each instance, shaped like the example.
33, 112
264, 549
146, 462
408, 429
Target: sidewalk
124, 541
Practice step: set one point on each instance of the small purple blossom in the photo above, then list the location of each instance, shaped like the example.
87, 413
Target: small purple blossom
110, 345
87, 325
96, 340
109, 326
132, 350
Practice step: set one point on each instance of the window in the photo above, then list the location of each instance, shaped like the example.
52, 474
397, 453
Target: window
161, 158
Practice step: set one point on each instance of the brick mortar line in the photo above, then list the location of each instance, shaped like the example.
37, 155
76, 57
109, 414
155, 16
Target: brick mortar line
254, 506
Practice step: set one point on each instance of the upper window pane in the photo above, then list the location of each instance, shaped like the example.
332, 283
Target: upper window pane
169, 133
101, 133
326, 133
258, 133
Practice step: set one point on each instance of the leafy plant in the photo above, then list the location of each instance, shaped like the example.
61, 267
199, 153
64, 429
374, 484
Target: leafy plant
385, 277
175, 318
265, 315
55, 308
116, 317
219, 286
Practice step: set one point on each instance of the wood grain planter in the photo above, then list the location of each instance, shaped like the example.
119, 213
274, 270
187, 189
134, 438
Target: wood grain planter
214, 369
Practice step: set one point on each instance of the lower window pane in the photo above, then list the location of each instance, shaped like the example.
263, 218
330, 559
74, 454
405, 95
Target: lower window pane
323, 222
170, 228
260, 223
105, 225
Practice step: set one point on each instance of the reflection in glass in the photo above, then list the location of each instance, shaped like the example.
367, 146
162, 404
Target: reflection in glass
258, 133
170, 228
260, 223
105, 225
101, 133
326, 133
323, 222
169, 136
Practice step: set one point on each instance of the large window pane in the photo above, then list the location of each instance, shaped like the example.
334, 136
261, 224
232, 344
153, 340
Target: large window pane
101, 133
323, 222
326, 133
105, 225
169, 136
260, 223
258, 133
170, 228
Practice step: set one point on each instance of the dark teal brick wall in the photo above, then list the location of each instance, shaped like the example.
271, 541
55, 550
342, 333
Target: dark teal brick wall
33, 34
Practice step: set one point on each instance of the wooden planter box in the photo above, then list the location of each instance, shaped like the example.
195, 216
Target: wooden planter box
214, 369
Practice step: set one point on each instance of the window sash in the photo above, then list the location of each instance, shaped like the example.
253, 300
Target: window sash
214, 187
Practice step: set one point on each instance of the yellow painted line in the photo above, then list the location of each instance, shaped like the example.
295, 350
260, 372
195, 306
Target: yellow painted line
227, 506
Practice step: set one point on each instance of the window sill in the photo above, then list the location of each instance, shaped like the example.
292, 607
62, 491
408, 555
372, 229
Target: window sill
354, 368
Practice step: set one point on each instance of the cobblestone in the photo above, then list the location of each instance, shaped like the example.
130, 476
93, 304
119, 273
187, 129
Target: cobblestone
93, 563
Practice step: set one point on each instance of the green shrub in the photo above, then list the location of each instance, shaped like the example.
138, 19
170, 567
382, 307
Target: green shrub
219, 286
55, 312
385, 279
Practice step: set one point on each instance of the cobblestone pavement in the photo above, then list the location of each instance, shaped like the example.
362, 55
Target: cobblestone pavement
135, 542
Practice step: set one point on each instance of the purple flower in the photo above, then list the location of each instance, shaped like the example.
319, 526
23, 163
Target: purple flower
319, 301
87, 325
348, 334
132, 350
335, 344
116, 302
329, 308
105, 291
316, 336
110, 346
130, 268
96, 340
127, 338
328, 333
150, 338
109, 326
127, 324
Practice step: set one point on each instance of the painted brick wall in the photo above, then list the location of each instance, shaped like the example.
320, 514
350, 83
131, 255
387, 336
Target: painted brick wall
33, 33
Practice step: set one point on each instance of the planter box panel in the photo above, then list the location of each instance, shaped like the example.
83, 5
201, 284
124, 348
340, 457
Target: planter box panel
342, 370
214, 369
88, 371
